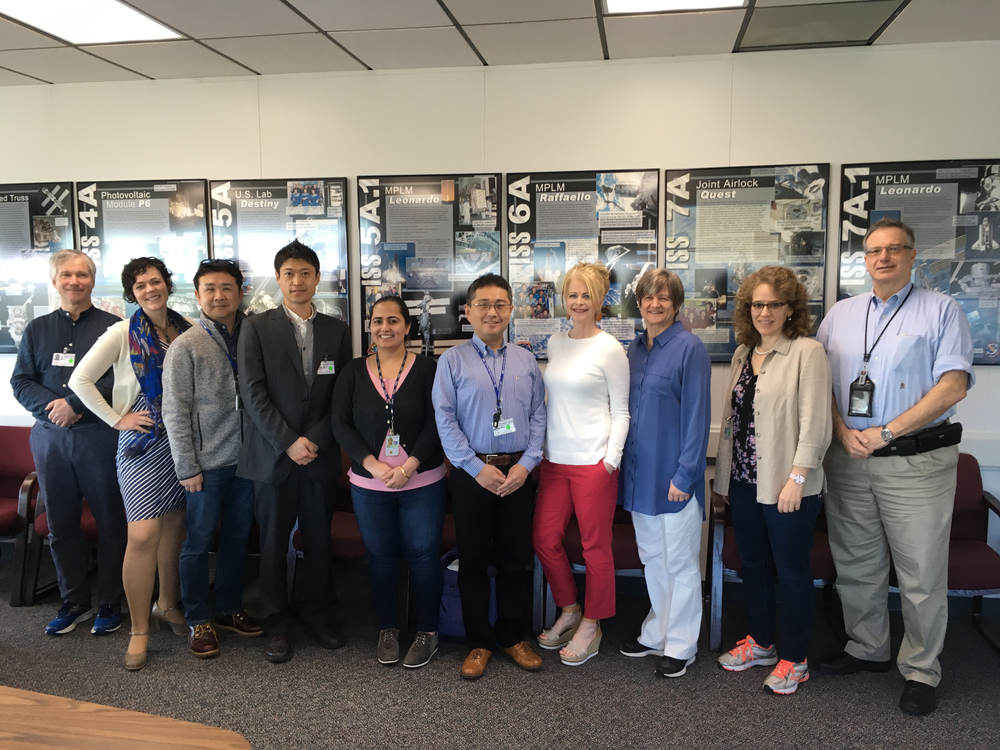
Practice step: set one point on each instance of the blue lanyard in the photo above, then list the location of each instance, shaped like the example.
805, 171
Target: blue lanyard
390, 400
212, 336
497, 388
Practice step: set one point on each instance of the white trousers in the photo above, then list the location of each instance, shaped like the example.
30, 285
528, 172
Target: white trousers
669, 545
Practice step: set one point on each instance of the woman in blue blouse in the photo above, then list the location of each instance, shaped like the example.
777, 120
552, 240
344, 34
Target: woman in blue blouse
663, 470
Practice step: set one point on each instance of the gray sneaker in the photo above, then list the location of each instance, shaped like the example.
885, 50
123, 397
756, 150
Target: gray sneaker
425, 645
387, 651
748, 654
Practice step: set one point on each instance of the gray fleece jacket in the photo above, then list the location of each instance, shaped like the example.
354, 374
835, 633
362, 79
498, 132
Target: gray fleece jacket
199, 402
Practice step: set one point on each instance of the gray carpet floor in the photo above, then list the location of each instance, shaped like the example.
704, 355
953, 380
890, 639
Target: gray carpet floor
345, 699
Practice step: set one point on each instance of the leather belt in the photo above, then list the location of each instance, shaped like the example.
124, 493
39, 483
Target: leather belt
500, 459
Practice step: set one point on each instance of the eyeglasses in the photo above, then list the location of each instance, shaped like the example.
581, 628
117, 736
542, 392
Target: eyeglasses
772, 306
483, 306
874, 252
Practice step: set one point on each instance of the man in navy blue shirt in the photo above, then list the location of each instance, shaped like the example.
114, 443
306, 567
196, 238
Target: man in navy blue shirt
74, 451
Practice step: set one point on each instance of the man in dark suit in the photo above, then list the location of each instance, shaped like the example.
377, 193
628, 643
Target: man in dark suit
289, 359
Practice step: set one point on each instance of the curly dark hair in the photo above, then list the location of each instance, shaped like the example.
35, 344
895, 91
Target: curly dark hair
138, 266
787, 288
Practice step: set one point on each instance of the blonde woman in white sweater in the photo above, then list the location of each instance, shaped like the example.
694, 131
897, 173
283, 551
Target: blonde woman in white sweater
587, 379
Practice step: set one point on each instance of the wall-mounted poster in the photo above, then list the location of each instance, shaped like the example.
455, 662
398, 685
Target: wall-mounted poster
253, 219
723, 224
164, 219
558, 219
953, 208
35, 221
426, 238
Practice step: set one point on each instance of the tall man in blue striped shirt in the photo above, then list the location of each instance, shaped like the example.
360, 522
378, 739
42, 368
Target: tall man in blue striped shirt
901, 358
489, 402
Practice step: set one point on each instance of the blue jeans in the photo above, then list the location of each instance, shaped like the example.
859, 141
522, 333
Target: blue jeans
223, 495
770, 542
408, 525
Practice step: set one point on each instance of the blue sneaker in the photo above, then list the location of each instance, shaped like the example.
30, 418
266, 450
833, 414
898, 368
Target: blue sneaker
108, 620
69, 615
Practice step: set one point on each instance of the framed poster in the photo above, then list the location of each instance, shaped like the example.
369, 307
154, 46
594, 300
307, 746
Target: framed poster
953, 208
36, 220
426, 238
165, 219
725, 223
253, 219
558, 219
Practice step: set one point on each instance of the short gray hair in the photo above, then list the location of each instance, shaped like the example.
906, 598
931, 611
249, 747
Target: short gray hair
654, 281
56, 261
885, 223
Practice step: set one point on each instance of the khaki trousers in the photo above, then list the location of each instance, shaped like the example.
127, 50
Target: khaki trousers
902, 505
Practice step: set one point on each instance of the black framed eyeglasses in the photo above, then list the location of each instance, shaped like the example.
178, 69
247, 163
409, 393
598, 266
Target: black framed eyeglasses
772, 306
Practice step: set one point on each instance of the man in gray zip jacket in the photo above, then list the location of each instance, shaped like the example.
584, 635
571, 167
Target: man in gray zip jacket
204, 419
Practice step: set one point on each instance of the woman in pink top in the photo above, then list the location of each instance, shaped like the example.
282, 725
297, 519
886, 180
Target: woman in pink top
587, 379
383, 417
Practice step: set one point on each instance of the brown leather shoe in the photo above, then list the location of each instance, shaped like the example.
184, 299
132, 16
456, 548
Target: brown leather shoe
524, 657
203, 641
475, 663
241, 622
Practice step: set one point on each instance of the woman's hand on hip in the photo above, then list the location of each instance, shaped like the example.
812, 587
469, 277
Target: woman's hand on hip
136, 421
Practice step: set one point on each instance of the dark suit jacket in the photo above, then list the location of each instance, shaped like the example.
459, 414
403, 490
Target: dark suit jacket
278, 401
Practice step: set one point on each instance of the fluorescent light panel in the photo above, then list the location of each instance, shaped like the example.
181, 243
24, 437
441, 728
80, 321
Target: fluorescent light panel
86, 21
662, 6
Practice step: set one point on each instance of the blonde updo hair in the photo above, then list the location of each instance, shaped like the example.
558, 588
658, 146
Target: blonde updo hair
597, 280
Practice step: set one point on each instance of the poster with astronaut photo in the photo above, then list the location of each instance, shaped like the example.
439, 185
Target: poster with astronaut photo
558, 219
953, 208
253, 219
36, 220
722, 224
165, 219
426, 238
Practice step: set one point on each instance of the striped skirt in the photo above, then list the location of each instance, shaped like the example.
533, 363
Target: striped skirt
148, 482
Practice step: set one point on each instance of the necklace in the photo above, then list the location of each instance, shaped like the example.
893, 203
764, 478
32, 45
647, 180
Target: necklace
758, 351
166, 331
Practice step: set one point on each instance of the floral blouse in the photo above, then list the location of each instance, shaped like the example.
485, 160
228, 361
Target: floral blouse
744, 467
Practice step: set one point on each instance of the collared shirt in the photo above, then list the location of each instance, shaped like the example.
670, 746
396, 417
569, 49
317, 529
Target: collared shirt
929, 337
231, 340
670, 404
36, 381
303, 328
465, 402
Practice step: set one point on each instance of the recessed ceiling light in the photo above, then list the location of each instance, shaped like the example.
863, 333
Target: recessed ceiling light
86, 21
662, 6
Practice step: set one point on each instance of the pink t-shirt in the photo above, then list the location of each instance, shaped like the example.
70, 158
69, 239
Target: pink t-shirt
417, 479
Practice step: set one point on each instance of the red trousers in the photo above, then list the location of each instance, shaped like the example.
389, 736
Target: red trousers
590, 493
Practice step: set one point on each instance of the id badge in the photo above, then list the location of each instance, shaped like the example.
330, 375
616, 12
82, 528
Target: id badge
860, 398
504, 427
326, 367
392, 445
239, 402
727, 432
59, 359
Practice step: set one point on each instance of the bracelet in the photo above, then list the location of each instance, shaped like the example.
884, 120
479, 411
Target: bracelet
403, 471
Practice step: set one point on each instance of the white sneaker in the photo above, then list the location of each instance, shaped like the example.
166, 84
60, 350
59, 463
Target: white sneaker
787, 676
748, 654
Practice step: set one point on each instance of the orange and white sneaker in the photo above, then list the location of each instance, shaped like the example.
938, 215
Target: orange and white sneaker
785, 678
748, 654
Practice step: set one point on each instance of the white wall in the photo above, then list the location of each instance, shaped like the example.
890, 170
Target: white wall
864, 104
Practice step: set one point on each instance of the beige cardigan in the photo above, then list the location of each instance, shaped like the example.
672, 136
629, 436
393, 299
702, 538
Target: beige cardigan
792, 416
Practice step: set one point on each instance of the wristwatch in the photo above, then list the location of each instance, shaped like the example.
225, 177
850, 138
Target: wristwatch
797, 478
886, 434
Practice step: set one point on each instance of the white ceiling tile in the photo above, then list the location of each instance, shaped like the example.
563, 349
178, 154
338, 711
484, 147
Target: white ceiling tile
289, 53
490, 11
673, 34
356, 15
64, 65
8, 78
537, 42
15, 36
817, 24
936, 21
218, 18
409, 48
170, 60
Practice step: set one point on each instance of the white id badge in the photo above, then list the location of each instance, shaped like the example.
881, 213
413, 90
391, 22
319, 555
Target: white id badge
59, 359
505, 427
727, 432
326, 367
392, 445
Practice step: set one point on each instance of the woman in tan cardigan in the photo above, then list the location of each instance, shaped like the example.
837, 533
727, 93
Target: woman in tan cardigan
776, 427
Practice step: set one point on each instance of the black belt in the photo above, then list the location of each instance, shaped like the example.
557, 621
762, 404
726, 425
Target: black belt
938, 436
500, 459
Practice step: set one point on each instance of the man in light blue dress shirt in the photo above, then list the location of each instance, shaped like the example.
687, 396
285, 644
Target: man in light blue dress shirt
901, 359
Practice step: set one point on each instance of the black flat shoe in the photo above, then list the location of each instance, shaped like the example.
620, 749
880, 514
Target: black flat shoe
844, 663
277, 650
918, 699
